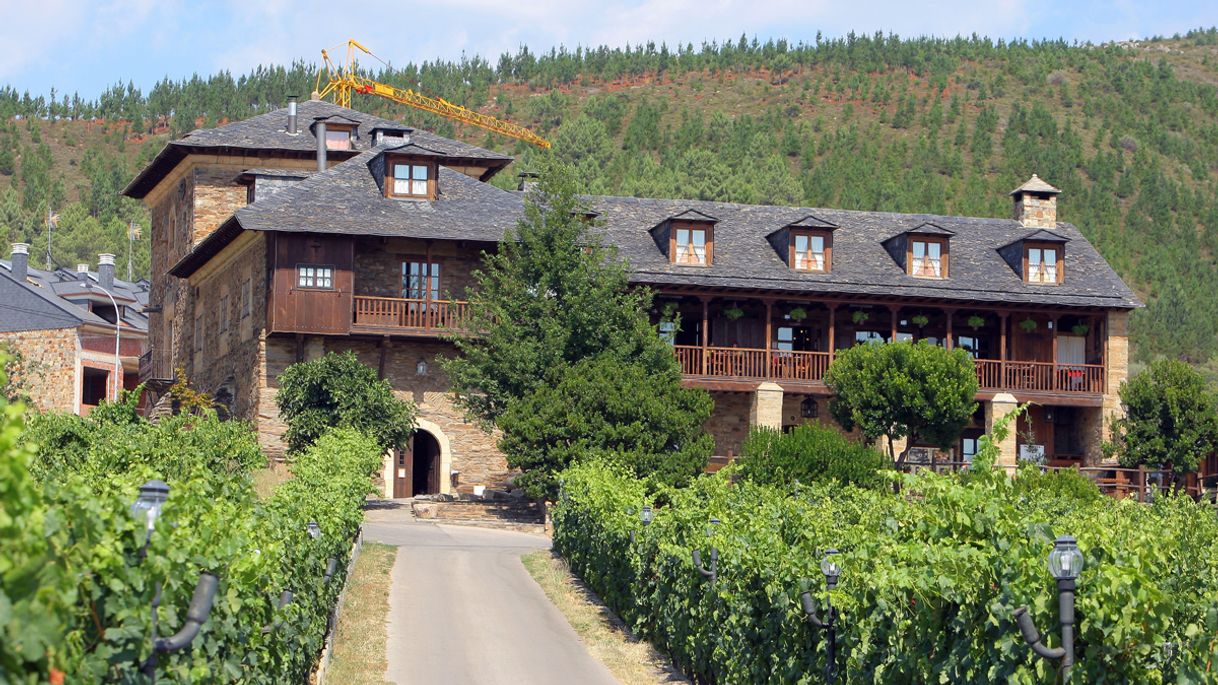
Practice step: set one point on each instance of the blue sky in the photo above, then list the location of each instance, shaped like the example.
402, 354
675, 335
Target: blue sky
86, 45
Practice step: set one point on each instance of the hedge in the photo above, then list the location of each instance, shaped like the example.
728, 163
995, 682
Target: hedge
74, 596
931, 577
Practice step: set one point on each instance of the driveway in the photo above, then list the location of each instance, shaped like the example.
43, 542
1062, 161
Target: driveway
463, 609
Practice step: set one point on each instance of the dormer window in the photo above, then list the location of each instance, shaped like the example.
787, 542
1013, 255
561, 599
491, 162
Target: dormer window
1042, 264
810, 251
692, 245
338, 137
927, 257
414, 179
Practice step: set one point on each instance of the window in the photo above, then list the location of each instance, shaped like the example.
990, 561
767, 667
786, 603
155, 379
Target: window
223, 313
974, 345
927, 258
410, 179
247, 297
315, 276
338, 138
1042, 265
809, 252
668, 332
420, 280
691, 246
95, 385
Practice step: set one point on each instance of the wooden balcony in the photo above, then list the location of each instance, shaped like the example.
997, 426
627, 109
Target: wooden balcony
402, 316
797, 368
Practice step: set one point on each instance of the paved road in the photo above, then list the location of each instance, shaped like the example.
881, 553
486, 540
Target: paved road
463, 609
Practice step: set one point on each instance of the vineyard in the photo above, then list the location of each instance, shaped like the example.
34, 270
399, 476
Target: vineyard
930, 578
76, 591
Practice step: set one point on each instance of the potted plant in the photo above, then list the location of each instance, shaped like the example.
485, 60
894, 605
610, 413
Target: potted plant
733, 312
976, 321
798, 314
1080, 329
859, 317
920, 320
1028, 325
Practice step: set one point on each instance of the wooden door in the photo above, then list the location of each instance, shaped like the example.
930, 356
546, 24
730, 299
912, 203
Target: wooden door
403, 476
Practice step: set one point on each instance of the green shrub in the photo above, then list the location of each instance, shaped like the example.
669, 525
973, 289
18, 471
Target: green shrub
931, 577
807, 454
338, 391
1062, 484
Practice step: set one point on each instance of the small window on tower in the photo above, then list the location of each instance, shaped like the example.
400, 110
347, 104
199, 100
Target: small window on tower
338, 138
315, 276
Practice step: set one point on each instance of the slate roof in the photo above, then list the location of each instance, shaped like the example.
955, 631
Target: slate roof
42, 302
268, 133
1035, 185
346, 199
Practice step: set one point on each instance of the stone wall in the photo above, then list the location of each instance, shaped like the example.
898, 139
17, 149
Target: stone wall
378, 266
1034, 212
1116, 356
473, 451
729, 422
50, 357
228, 364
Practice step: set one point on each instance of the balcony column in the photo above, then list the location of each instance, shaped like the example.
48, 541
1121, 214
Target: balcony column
705, 332
767, 406
948, 341
769, 336
892, 312
998, 408
832, 329
1053, 354
1002, 346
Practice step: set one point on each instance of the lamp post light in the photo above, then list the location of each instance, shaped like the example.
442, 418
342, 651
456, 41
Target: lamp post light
314, 529
147, 508
1065, 563
711, 572
831, 571
285, 598
645, 517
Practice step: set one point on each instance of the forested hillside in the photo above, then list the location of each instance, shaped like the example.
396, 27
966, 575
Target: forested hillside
1129, 132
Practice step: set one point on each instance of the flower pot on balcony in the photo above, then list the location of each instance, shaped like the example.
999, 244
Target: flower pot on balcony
733, 313
859, 317
1080, 329
1027, 325
920, 320
798, 314
975, 322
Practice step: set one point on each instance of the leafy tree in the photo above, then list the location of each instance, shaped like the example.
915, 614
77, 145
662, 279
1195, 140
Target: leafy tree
916, 391
1171, 418
552, 296
17, 373
338, 391
608, 408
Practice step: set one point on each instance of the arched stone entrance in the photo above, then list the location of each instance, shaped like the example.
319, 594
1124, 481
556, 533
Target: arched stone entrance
422, 467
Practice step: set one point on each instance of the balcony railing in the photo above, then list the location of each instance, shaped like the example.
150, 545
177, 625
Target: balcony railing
784, 365
409, 315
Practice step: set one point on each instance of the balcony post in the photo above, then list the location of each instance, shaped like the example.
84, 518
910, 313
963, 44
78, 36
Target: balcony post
1002, 348
832, 329
1053, 355
769, 322
892, 312
705, 332
948, 342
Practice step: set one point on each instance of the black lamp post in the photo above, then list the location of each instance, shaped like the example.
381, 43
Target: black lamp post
711, 573
829, 567
645, 516
147, 508
1065, 563
314, 529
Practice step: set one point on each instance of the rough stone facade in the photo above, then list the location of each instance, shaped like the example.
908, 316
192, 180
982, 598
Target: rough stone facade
729, 422
230, 313
51, 360
1116, 356
999, 407
1036, 212
379, 265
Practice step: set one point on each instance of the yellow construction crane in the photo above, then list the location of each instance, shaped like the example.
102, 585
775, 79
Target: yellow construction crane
342, 81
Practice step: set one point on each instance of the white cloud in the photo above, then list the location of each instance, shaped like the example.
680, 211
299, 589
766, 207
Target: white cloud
35, 31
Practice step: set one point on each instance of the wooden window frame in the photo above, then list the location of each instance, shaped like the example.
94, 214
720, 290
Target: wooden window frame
432, 168
349, 129
407, 260
944, 256
811, 233
708, 229
1044, 246
333, 274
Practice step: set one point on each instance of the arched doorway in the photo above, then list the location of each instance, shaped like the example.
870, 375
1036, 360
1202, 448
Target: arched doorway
417, 470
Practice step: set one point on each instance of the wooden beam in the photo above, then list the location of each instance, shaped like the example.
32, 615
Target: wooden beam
705, 332
950, 313
892, 311
769, 323
832, 329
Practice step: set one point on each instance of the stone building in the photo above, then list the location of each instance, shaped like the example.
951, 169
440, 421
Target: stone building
278, 238
64, 323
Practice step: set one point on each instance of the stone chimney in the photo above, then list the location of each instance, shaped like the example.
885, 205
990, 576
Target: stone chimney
1036, 204
528, 180
105, 271
21, 262
292, 120
82, 273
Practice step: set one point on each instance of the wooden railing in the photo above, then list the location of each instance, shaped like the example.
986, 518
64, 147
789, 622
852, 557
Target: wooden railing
735, 362
1040, 376
412, 314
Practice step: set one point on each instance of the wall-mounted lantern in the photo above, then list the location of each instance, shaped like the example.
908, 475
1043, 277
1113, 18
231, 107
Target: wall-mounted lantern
809, 408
